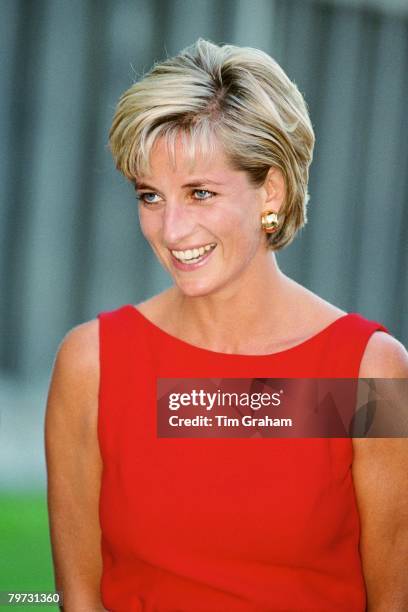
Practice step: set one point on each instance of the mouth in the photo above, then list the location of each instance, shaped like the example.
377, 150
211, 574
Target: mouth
192, 258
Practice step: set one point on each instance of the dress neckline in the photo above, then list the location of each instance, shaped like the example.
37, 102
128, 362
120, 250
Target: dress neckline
217, 354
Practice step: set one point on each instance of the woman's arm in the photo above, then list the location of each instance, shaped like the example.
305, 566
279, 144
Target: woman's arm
380, 473
74, 469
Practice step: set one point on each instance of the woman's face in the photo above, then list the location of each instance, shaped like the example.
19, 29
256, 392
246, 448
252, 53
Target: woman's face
203, 223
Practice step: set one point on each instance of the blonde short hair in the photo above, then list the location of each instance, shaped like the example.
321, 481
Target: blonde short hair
241, 96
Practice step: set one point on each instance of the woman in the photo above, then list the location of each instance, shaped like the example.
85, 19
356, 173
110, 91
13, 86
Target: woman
218, 143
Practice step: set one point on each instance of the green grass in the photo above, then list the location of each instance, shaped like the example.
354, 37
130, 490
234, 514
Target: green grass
25, 552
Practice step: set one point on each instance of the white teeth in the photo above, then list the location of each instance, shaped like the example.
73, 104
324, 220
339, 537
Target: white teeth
193, 255
191, 261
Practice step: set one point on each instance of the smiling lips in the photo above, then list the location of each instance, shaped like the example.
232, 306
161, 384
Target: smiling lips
192, 256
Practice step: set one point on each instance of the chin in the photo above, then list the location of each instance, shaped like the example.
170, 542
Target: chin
195, 288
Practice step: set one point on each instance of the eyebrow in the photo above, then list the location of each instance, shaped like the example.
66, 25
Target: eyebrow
196, 183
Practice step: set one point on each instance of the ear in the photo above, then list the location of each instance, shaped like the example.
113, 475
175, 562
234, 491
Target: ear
273, 190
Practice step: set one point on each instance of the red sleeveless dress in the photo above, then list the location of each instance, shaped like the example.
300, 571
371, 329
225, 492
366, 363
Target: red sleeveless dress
223, 525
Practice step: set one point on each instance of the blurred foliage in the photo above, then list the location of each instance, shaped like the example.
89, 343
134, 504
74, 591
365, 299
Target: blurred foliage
25, 560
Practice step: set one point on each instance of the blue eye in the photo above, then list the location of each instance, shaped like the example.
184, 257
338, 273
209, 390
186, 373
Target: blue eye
145, 197
204, 191
142, 197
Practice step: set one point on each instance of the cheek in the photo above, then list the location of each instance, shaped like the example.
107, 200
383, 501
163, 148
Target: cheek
149, 224
239, 234
242, 223
235, 216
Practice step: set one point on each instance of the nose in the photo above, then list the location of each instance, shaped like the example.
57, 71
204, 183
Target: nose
178, 223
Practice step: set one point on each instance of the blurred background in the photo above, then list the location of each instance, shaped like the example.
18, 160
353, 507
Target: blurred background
70, 242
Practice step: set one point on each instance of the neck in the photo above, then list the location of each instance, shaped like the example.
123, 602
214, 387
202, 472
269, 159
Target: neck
242, 315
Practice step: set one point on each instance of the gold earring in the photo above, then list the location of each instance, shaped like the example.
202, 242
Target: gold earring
270, 221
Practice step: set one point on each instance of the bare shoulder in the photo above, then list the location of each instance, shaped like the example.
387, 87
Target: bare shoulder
313, 311
384, 357
79, 349
380, 467
157, 308
74, 383
74, 468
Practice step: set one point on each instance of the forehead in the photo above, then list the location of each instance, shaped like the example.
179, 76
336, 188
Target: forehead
181, 157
